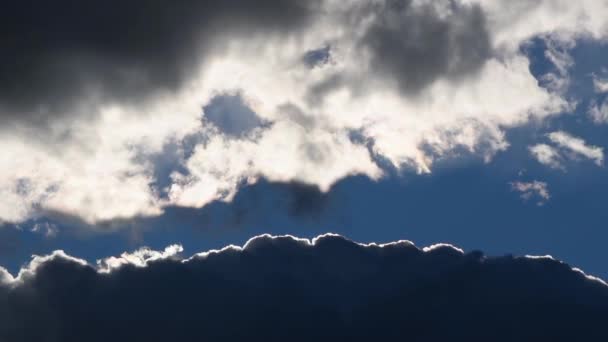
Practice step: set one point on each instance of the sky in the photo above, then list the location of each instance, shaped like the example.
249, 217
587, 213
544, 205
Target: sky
138, 134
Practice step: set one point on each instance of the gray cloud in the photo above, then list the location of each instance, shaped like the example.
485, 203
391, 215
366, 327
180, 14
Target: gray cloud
317, 92
283, 288
409, 45
63, 56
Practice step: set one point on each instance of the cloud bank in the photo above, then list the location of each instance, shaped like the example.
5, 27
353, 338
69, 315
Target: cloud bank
114, 111
295, 289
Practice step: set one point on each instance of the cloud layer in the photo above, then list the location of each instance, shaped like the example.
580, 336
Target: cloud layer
294, 289
111, 114
67, 54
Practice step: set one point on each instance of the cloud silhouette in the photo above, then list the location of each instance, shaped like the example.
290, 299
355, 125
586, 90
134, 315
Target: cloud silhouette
285, 288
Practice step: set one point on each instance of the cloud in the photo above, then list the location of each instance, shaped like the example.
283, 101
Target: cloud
558, 52
578, 147
296, 289
123, 137
532, 189
567, 147
599, 112
66, 58
600, 83
416, 43
547, 155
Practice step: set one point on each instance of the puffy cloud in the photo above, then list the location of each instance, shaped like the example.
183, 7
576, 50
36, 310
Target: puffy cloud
532, 189
276, 90
287, 288
311, 156
416, 43
600, 82
515, 21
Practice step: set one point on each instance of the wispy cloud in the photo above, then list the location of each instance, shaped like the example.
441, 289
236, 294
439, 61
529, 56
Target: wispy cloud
578, 147
600, 82
599, 112
547, 155
566, 147
533, 189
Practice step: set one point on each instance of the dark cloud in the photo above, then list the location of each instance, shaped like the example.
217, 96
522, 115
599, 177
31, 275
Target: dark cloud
411, 45
415, 44
279, 289
232, 115
60, 56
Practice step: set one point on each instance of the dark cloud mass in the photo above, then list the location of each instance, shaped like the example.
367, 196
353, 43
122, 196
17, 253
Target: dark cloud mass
61, 54
63, 57
416, 44
283, 289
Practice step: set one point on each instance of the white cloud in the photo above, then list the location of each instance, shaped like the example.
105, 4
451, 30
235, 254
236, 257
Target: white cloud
139, 258
547, 155
532, 189
599, 112
578, 147
518, 20
97, 174
600, 83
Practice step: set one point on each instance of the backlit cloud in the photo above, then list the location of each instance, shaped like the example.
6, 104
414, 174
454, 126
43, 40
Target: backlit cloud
286, 288
235, 92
